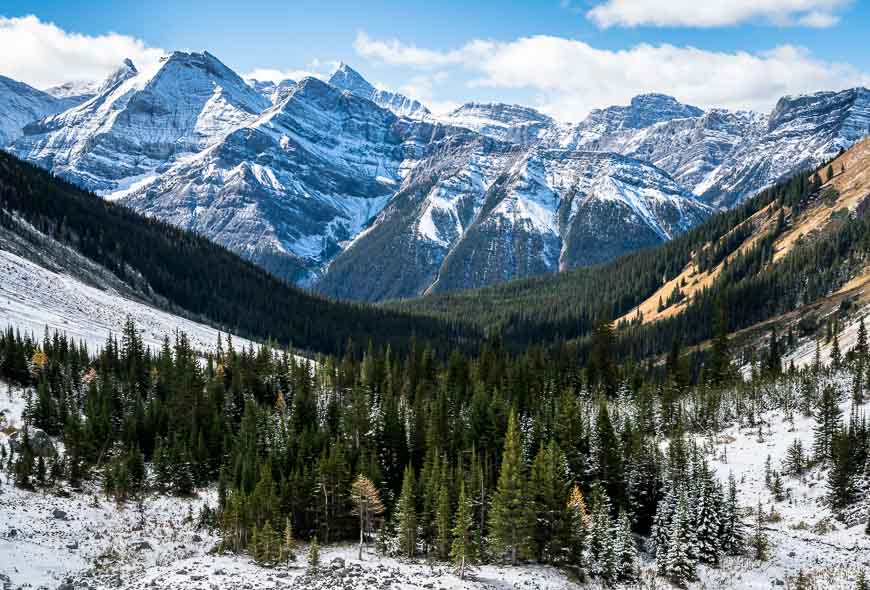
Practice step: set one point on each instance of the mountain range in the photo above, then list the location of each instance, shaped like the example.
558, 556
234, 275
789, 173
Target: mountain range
362, 193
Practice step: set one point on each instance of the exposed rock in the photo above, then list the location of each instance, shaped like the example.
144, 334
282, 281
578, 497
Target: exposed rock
40, 443
59, 514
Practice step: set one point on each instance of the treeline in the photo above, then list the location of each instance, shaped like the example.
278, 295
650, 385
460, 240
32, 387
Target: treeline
199, 277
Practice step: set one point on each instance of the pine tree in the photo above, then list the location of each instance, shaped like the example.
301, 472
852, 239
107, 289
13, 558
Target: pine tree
510, 511
776, 487
680, 561
406, 515
442, 522
626, 551
758, 539
706, 523
861, 583
313, 556
795, 461
836, 356
841, 480
462, 550
267, 546
827, 417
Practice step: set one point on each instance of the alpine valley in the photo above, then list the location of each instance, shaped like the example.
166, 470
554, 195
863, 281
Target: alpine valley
361, 193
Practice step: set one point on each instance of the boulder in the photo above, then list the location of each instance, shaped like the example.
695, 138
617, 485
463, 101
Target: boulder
337, 563
140, 545
40, 443
59, 514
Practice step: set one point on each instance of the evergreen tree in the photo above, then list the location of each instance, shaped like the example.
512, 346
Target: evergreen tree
827, 416
313, 556
680, 561
406, 515
510, 511
626, 550
758, 539
462, 550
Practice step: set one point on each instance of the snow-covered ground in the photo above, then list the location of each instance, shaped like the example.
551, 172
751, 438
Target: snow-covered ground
33, 297
803, 534
103, 545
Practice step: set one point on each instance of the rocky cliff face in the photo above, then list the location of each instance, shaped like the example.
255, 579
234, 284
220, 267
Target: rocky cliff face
800, 133
346, 78
21, 104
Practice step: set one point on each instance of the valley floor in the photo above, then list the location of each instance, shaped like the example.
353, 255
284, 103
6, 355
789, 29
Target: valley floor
47, 541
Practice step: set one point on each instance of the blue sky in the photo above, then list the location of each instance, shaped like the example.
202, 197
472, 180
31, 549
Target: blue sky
563, 56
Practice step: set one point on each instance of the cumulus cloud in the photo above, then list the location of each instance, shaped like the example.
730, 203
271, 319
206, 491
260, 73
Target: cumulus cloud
715, 13
568, 78
42, 54
315, 69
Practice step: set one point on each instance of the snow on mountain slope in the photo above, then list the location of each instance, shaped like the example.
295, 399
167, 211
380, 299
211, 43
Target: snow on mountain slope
497, 212
558, 209
805, 535
274, 92
33, 298
19, 105
505, 122
289, 189
801, 133
140, 121
608, 129
346, 78
72, 94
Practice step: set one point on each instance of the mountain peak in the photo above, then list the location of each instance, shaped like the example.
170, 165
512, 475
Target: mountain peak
347, 78
123, 72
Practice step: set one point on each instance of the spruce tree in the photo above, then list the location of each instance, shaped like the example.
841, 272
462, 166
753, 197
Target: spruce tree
443, 516
510, 510
681, 558
827, 417
406, 515
626, 551
313, 556
462, 550
758, 539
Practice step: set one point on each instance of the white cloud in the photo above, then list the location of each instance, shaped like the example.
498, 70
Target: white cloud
568, 78
395, 53
42, 54
315, 69
715, 13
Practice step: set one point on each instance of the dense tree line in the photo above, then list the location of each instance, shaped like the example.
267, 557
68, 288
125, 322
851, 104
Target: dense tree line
492, 457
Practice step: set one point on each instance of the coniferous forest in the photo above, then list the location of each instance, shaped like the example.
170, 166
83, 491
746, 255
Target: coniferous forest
491, 457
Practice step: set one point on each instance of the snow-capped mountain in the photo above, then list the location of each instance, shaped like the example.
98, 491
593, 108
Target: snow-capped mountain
346, 78
19, 105
800, 133
505, 122
499, 213
74, 93
274, 92
609, 129
141, 121
288, 189
363, 193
